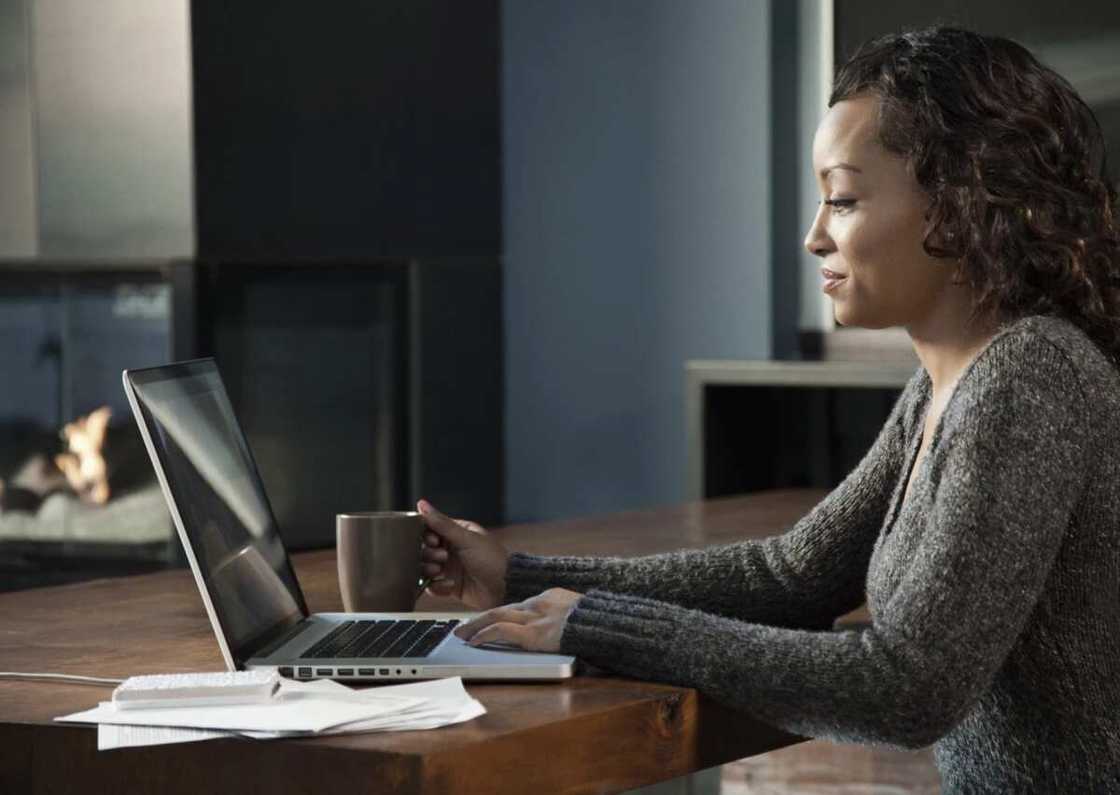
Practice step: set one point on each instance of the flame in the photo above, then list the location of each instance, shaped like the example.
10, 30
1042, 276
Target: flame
84, 464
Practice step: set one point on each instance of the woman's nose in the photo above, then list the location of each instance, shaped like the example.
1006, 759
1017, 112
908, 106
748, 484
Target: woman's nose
817, 241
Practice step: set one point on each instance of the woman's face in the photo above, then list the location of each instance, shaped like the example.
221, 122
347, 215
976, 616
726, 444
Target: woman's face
869, 229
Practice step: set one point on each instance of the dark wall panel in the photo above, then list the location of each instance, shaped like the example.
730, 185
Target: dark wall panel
350, 129
313, 359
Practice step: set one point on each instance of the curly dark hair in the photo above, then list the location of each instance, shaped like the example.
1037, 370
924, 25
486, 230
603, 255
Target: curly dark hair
1013, 161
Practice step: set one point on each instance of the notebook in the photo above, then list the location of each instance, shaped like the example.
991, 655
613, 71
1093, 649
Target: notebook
258, 612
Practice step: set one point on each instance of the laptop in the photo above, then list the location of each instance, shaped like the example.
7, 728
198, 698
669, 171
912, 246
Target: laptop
256, 607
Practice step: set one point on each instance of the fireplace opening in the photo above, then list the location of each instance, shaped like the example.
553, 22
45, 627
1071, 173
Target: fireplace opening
78, 495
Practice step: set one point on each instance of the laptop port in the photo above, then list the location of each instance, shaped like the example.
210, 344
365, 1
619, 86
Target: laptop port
286, 670
324, 671
385, 672
345, 671
305, 673
367, 672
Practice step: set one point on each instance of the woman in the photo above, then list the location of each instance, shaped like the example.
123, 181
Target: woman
965, 198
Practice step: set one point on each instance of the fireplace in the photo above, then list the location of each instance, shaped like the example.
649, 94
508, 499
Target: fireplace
65, 336
360, 386
333, 194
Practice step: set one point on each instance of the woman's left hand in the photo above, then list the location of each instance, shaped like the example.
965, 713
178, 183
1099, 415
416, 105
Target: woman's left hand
534, 625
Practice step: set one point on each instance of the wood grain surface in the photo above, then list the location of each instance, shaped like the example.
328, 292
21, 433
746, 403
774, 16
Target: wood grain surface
594, 733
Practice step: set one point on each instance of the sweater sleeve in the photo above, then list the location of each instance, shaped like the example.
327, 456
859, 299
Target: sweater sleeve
1003, 485
805, 577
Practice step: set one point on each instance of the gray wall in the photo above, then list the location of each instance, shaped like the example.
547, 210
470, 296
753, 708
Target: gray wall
636, 236
113, 126
95, 129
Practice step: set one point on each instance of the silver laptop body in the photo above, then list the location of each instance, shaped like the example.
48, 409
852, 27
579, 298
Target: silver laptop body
256, 607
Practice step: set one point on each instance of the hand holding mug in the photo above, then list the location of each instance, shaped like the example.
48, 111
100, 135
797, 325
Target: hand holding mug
463, 560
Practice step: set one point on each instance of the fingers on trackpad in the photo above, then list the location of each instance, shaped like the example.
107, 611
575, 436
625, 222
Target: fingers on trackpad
497, 645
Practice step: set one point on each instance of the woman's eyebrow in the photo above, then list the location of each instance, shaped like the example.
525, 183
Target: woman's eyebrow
839, 166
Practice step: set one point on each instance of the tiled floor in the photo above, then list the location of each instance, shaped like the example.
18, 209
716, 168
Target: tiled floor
823, 768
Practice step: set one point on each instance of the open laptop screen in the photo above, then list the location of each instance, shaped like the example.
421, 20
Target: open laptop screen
215, 486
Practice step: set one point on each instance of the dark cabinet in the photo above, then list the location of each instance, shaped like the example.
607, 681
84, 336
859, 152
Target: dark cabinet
362, 386
347, 130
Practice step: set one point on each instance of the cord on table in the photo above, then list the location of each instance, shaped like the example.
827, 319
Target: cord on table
86, 680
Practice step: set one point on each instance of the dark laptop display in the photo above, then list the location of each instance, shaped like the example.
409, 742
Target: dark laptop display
222, 503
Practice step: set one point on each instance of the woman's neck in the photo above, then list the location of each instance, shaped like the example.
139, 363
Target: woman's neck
948, 341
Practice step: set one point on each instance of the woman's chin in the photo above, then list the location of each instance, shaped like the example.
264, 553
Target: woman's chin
843, 315
848, 319
854, 314
853, 320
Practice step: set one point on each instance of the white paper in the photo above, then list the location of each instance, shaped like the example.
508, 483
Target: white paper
110, 736
432, 721
405, 707
295, 709
443, 702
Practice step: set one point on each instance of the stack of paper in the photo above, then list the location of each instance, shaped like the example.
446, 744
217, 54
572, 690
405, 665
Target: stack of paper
299, 709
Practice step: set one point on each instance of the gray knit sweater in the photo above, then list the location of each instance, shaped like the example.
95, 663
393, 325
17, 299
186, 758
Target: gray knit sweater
994, 588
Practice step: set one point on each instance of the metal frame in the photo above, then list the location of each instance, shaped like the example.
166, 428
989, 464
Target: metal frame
700, 374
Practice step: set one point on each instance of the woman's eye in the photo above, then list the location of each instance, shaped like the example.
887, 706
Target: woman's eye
840, 205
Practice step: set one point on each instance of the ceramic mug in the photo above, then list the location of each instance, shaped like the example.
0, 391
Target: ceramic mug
379, 560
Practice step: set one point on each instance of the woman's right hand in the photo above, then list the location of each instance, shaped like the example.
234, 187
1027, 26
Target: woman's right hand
470, 564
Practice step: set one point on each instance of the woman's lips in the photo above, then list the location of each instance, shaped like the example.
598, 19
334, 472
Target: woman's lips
832, 279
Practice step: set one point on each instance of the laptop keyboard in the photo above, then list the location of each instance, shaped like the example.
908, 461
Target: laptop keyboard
384, 638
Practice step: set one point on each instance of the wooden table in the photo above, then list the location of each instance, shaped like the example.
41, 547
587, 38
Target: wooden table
597, 733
